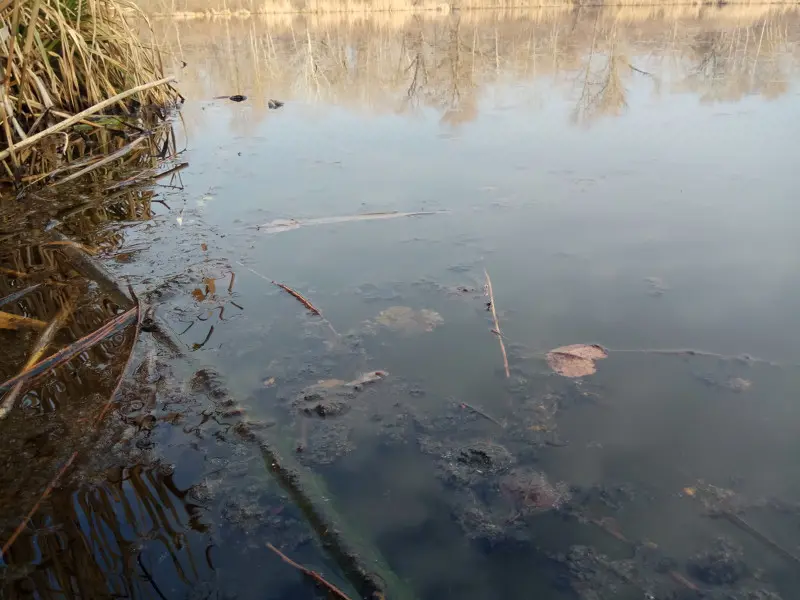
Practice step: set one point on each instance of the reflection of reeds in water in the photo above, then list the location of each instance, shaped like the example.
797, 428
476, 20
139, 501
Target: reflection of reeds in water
198, 8
102, 541
398, 62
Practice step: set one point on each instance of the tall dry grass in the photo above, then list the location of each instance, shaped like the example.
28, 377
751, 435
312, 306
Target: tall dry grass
64, 57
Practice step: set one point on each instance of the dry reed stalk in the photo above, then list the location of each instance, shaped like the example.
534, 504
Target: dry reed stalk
313, 575
42, 344
65, 354
89, 111
12, 321
497, 330
110, 158
94, 338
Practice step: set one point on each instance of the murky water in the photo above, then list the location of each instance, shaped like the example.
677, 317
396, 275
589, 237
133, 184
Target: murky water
626, 177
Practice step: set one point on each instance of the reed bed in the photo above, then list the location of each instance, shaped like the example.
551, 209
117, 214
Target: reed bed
201, 8
79, 81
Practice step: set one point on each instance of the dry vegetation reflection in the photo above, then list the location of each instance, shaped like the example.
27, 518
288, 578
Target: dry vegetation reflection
401, 62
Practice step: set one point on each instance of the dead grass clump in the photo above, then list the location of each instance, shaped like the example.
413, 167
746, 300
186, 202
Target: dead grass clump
67, 57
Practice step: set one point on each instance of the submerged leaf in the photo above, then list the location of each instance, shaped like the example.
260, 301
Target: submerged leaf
407, 320
576, 360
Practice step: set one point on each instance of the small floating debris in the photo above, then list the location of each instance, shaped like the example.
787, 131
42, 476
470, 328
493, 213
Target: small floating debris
234, 98
577, 360
280, 225
274, 104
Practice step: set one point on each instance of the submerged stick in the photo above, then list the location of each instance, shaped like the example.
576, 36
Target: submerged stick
482, 413
745, 526
316, 577
85, 113
497, 331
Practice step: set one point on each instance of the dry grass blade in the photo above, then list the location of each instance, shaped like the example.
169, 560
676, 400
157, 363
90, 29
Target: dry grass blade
108, 159
39, 349
81, 115
497, 330
65, 354
12, 321
313, 575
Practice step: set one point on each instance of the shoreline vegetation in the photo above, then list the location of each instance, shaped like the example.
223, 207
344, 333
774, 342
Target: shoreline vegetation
191, 9
80, 84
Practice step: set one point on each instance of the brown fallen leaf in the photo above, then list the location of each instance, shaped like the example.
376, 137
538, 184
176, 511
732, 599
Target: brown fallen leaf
576, 360
12, 321
211, 285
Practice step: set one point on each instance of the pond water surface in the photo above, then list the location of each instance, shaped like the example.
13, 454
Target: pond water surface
626, 178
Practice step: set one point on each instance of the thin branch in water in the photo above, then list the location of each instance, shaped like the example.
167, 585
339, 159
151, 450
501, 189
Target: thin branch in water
303, 300
313, 575
482, 413
497, 331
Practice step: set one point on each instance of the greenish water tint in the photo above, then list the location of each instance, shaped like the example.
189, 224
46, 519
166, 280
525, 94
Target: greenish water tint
627, 178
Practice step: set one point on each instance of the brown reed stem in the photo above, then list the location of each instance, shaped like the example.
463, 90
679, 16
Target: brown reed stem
316, 577
497, 330
85, 113
39, 349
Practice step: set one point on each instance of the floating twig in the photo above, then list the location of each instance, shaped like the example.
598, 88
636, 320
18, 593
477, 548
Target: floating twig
497, 331
297, 295
280, 225
65, 354
316, 577
303, 300
482, 413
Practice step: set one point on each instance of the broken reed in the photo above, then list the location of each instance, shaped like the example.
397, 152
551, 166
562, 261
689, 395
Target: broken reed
77, 80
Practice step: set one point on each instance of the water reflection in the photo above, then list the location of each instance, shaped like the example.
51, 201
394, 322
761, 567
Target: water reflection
404, 63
